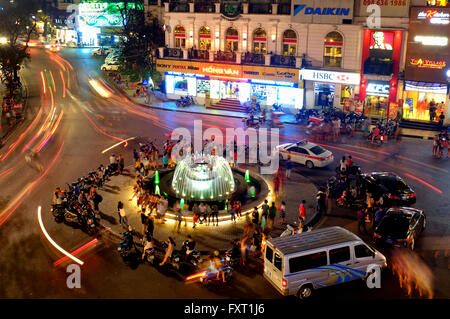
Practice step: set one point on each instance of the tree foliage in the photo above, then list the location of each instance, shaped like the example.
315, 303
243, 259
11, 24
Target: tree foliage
17, 24
140, 39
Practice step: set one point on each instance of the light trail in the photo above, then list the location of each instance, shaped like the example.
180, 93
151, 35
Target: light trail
425, 183
75, 252
117, 144
64, 83
100, 130
6, 172
51, 133
53, 82
99, 89
43, 82
106, 85
44, 231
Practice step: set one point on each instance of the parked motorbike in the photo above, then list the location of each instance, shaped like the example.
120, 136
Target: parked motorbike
184, 101
126, 246
277, 107
58, 211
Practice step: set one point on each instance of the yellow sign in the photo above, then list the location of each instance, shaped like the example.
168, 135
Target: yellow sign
229, 70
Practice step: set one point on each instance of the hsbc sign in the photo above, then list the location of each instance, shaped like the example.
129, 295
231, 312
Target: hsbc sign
330, 76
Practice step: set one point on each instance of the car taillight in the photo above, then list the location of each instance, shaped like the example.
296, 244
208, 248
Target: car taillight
393, 197
413, 195
376, 235
284, 283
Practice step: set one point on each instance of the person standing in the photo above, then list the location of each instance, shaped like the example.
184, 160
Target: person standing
121, 164
441, 120
215, 214
321, 201
272, 214
282, 213
361, 221
264, 216
288, 167
150, 225
169, 250
255, 217
122, 215
237, 208
302, 212
144, 218
230, 210
196, 214
435, 145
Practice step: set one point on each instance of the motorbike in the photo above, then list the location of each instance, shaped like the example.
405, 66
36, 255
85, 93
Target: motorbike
277, 107
150, 255
126, 245
184, 101
207, 276
251, 122
58, 211
378, 140
345, 202
233, 255
91, 222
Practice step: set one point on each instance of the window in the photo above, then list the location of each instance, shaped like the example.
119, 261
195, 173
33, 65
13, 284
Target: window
180, 37
317, 150
362, 251
277, 261
259, 41
298, 150
269, 253
231, 39
297, 264
332, 56
289, 42
205, 38
339, 255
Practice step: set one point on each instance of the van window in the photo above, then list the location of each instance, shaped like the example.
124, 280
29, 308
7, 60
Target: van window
277, 262
362, 251
269, 253
339, 255
300, 263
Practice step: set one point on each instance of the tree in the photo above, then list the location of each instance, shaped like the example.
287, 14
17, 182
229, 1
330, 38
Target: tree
140, 39
17, 24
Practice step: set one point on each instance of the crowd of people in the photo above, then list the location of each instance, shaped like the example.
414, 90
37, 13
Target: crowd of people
440, 144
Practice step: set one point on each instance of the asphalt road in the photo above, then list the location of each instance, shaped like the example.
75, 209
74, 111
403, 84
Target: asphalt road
71, 127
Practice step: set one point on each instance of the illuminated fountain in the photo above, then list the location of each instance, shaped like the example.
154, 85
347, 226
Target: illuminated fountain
206, 178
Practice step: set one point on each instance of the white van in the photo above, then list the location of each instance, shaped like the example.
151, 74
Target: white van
298, 264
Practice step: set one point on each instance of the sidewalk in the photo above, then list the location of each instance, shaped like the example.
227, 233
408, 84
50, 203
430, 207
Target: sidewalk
5, 128
208, 238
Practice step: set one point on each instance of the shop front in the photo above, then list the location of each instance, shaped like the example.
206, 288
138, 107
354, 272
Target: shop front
330, 88
229, 81
427, 71
377, 98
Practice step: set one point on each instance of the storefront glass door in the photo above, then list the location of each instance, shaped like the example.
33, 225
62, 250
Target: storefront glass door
376, 106
323, 94
417, 106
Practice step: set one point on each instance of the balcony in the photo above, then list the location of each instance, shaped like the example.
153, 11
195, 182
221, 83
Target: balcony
283, 60
178, 7
194, 54
253, 58
379, 67
225, 56
332, 62
260, 8
173, 53
204, 7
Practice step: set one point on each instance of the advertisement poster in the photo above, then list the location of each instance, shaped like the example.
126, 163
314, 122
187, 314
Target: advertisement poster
393, 110
359, 106
348, 105
381, 40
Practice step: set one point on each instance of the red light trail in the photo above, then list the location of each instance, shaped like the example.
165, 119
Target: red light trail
77, 251
425, 183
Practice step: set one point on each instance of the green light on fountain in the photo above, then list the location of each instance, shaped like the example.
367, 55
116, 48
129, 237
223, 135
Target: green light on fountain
157, 191
156, 178
182, 203
247, 176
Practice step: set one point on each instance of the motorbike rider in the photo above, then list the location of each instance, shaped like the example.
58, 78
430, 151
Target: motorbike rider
149, 244
250, 119
216, 266
188, 247
57, 196
376, 132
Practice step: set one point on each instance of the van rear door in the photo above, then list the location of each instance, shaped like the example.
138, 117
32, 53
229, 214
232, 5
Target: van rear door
273, 267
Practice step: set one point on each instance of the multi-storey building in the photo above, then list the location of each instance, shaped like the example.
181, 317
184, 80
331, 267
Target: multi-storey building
298, 53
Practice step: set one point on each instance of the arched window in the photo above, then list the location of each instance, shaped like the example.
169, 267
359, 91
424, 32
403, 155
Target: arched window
231, 39
180, 37
289, 42
204, 40
259, 41
332, 56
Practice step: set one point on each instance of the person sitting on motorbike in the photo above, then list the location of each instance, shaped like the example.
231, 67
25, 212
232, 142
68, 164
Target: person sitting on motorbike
216, 266
188, 247
169, 250
250, 119
57, 196
149, 244
375, 132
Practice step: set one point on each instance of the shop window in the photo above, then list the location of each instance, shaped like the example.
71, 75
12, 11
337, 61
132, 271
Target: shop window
332, 56
259, 41
346, 93
231, 39
289, 42
205, 38
180, 37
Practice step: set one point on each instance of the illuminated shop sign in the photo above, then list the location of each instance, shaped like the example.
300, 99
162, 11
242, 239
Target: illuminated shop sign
275, 83
106, 7
427, 64
320, 11
330, 76
430, 40
379, 88
103, 20
434, 16
437, 88
188, 75
381, 40
215, 70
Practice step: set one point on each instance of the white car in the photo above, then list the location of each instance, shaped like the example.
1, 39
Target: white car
110, 67
112, 58
306, 153
102, 51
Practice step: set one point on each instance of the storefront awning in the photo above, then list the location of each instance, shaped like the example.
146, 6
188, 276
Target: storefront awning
428, 87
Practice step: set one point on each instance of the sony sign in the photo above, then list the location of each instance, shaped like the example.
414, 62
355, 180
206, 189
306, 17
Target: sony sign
330, 76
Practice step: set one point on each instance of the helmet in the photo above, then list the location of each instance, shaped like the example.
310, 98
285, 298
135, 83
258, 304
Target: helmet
216, 253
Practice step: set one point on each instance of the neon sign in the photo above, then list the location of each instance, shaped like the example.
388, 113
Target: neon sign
428, 64
434, 16
428, 40
220, 71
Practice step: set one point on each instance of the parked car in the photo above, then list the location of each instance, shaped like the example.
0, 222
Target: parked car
392, 188
102, 51
110, 67
400, 226
299, 264
306, 153
113, 57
